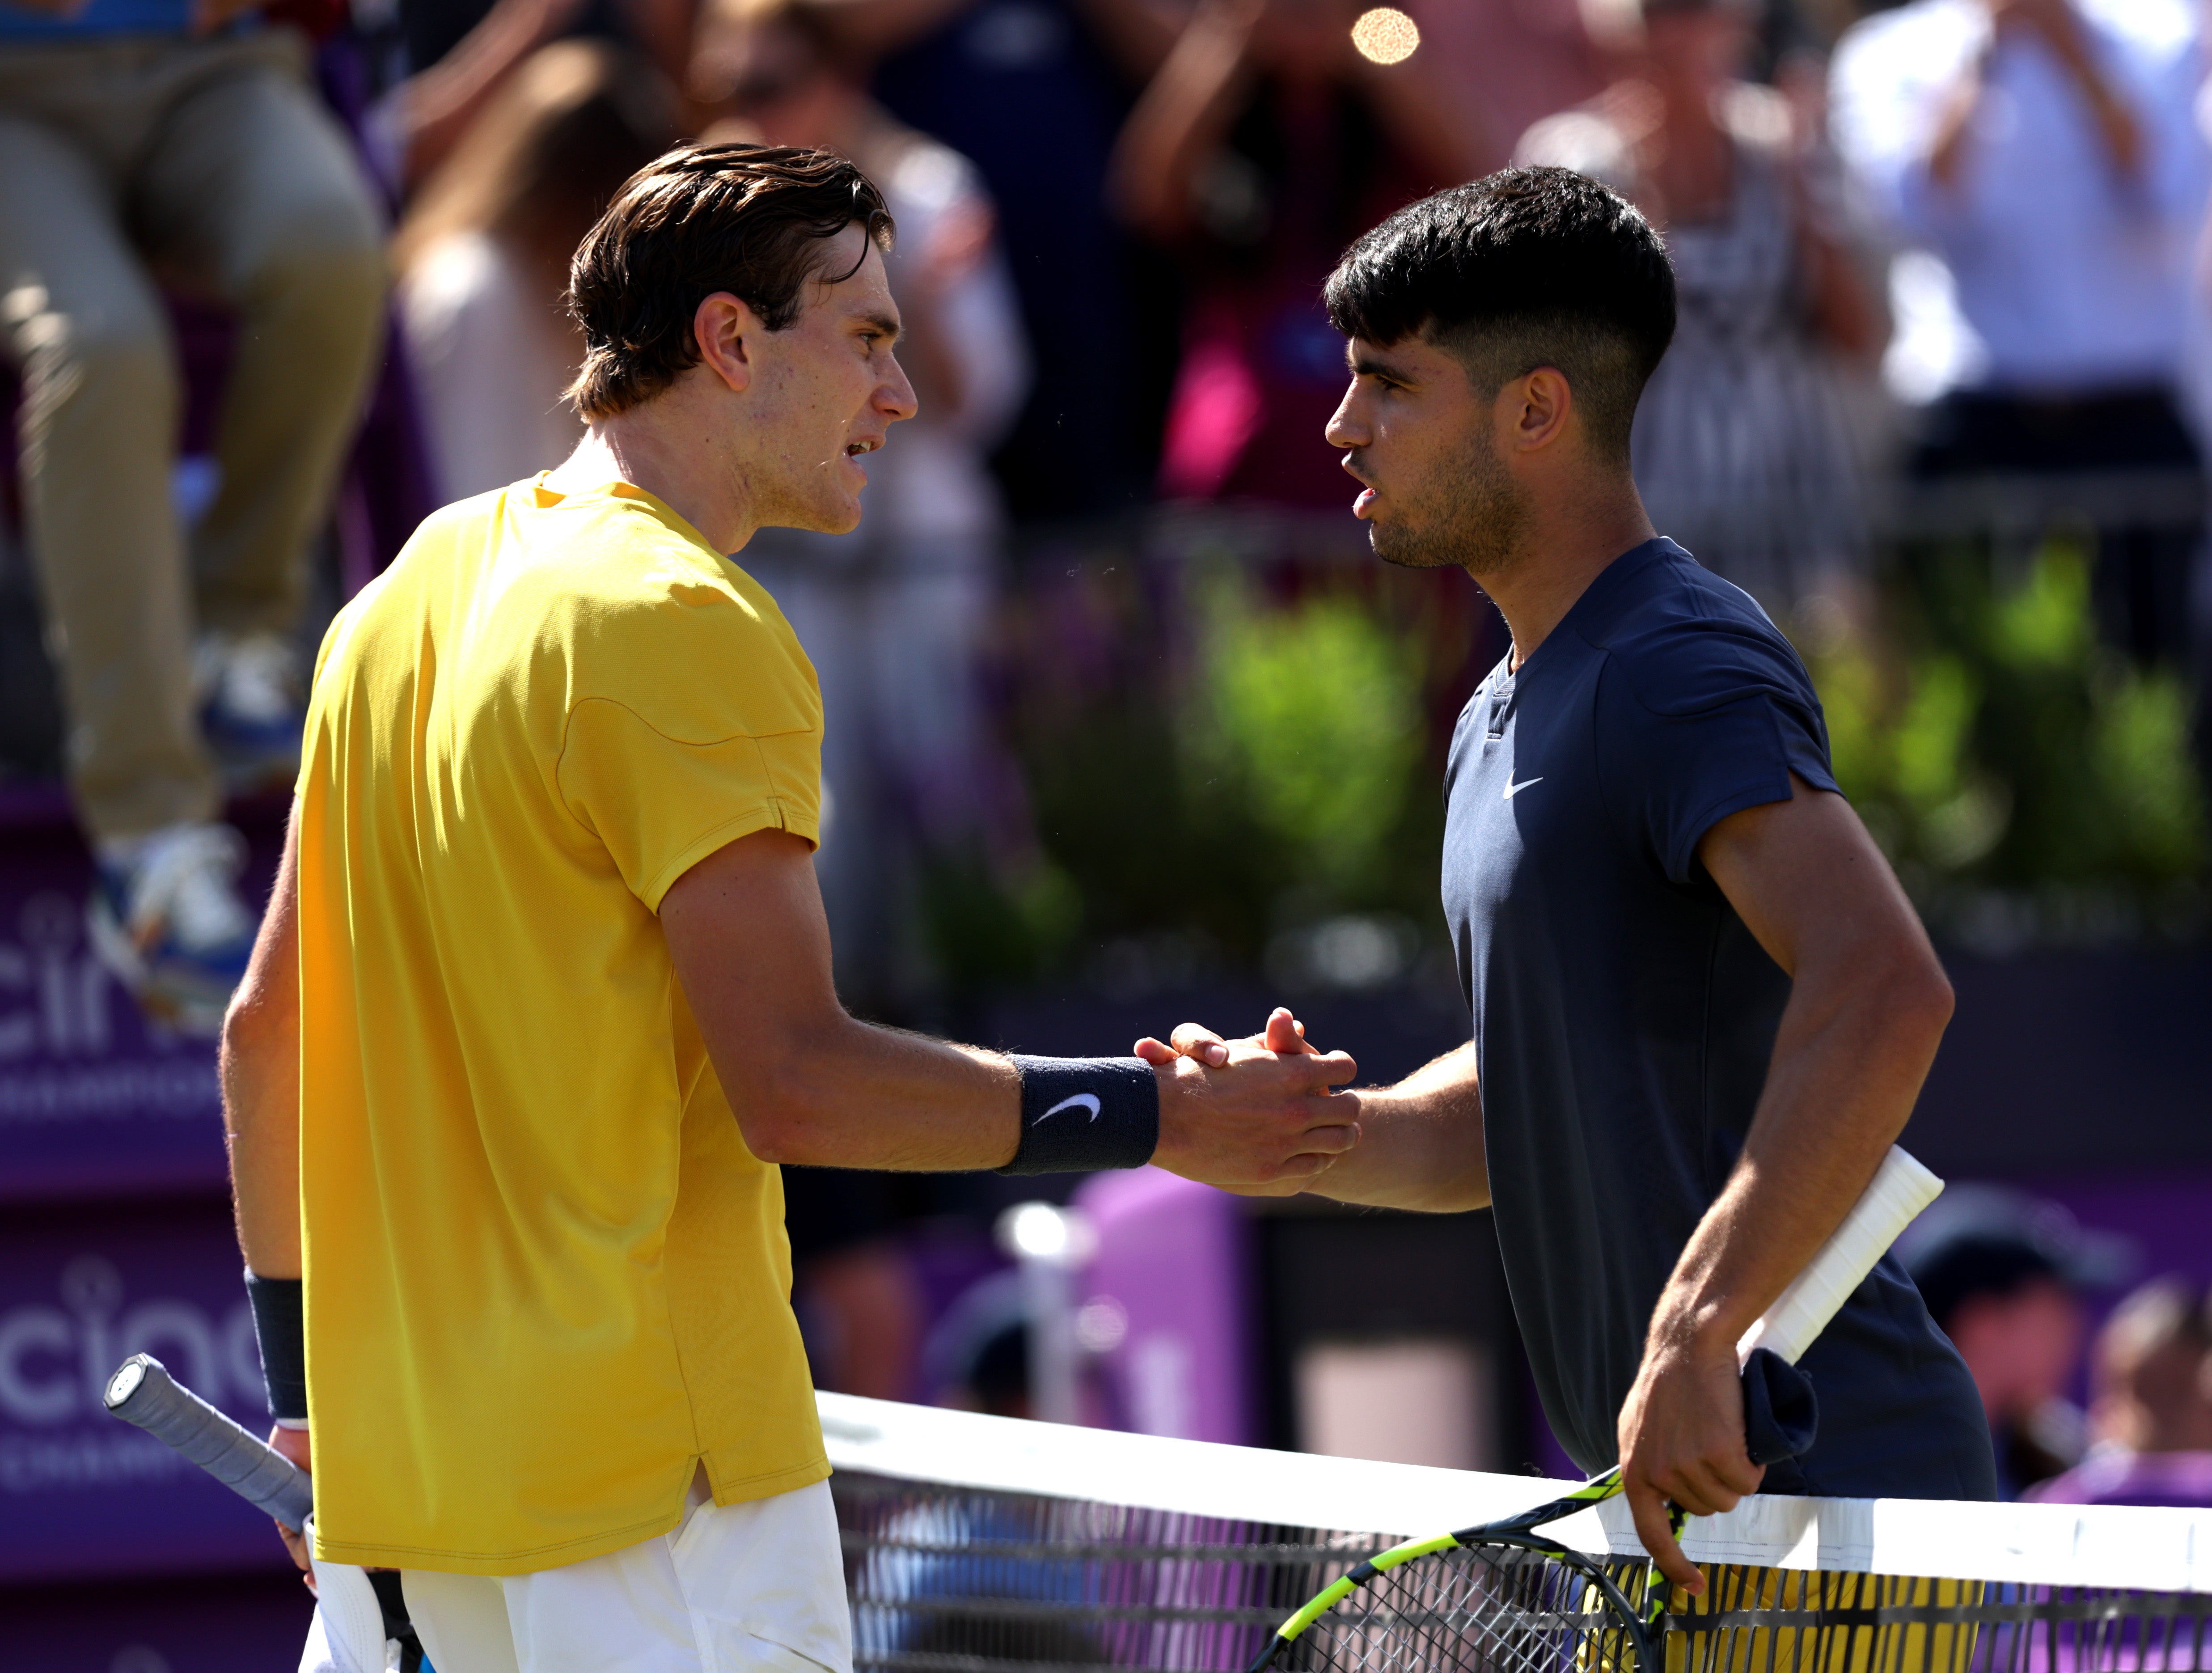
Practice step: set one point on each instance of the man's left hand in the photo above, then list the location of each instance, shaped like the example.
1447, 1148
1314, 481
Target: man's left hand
1284, 1034
1681, 1440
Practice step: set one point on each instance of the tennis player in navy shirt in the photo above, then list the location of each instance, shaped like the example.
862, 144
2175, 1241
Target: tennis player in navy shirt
1702, 1006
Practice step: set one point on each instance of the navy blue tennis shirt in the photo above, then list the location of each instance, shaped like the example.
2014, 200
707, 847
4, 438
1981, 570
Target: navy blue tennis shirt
1625, 1017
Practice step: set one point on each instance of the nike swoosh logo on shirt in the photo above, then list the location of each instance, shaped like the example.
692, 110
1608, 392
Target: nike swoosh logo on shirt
1081, 1101
1513, 790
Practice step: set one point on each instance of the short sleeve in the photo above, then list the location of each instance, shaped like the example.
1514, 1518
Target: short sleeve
1699, 726
712, 731
334, 637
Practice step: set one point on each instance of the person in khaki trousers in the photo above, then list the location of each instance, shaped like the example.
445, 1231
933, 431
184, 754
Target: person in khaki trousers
146, 144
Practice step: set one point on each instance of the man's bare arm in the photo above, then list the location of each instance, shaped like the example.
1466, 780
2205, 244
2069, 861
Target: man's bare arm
811, 1084
260, 1064
2064, 36
1421, 1141
1868, 1007
1420, 1145
260, 1069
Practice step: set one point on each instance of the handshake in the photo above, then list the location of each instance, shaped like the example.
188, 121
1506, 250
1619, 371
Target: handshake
1259, 1116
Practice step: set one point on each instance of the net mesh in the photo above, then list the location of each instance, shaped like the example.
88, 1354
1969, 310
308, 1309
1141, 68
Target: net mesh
952, 1579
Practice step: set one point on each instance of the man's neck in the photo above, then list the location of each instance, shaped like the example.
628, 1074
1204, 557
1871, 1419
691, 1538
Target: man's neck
1563, 548
648, 447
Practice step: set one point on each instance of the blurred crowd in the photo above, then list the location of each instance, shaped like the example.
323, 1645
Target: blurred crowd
2014, 1281
1924, 252
1945, 243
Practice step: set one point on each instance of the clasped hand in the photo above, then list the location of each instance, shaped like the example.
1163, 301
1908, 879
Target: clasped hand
1257, 1116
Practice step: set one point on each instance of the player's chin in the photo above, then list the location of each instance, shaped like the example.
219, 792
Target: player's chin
1393, 543
834, 514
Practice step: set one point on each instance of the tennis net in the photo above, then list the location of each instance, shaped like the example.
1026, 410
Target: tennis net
976, 1544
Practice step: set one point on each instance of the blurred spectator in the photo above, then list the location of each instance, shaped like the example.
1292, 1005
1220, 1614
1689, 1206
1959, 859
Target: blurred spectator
1744, 446
1509, 64
977, 1357
484, 257
1032, 92
861, 1306
1265, 144
892, 615
2046, 150
464, 51
2001, 1275
2150, 1418
145, 143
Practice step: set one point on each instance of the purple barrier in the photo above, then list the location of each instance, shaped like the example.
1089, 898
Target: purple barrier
80, 1492
94, 1101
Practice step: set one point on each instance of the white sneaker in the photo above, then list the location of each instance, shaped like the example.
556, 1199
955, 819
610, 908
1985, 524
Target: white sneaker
167, 918
250, 706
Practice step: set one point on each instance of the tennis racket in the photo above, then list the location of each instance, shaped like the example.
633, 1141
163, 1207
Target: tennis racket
362, 1608
1502, 1598
143, 1392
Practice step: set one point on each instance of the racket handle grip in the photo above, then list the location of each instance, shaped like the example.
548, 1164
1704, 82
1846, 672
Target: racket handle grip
143, 1392
1901, 1189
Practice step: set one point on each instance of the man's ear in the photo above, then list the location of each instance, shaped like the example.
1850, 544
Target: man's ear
1537, 408
727, 331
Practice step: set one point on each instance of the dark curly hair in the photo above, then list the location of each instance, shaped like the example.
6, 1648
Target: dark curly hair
752, 220
1527, 267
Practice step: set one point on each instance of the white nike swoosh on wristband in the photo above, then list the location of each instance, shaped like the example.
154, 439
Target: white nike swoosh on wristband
1081, 1101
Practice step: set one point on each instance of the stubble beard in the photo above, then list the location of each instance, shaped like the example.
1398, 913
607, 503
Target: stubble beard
1468, 516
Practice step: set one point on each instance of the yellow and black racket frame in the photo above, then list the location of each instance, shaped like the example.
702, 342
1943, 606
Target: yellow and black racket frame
1517, 1531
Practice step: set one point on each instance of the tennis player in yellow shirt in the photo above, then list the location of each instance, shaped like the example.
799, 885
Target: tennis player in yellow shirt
544, 995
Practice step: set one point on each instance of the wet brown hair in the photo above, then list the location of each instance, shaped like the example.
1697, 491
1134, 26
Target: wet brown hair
752, 220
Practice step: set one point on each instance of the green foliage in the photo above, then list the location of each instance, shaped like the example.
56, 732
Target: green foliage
2141, 746
985, 925
1199, 777
2002, 747
1307, 722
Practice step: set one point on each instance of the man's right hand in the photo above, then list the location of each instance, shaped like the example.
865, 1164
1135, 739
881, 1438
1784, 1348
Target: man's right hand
1252, 1117
292, 1444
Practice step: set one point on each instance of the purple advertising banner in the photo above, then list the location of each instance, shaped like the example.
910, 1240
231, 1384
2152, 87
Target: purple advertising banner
1171, 1283
246, 1624
83, 1493
94, 1100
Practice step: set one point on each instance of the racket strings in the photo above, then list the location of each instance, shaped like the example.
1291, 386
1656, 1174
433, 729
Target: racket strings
1477, 1609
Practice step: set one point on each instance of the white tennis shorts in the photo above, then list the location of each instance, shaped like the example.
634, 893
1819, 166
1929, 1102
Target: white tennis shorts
752, 1588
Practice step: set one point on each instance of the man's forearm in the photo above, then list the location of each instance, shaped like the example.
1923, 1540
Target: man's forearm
260, 1070
1954, 127
1178, 120
1849, 1060
866, 1097
808, 1083
1420, 1146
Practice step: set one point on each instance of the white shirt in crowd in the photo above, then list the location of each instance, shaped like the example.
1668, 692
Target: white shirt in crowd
934, 478
491, 355
2068, 278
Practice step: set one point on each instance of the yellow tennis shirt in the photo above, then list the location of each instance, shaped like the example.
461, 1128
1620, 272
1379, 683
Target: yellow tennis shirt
544, 1276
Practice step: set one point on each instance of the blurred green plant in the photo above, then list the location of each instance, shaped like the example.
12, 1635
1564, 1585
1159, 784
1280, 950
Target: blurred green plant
1195, 793
987, 923
1308, 721
1998, 745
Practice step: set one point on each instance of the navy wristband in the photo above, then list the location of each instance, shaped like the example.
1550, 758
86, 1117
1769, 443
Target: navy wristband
1083, 1114
280, 1326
